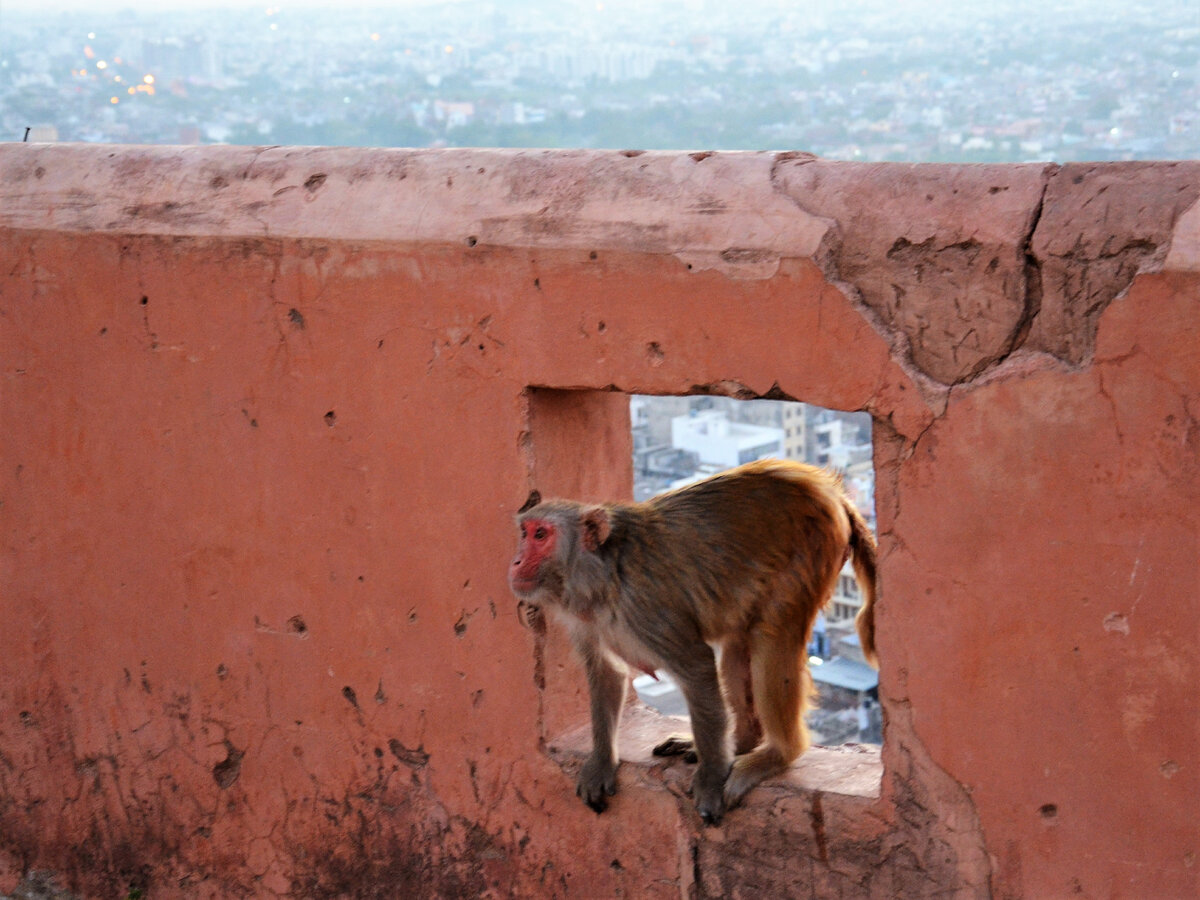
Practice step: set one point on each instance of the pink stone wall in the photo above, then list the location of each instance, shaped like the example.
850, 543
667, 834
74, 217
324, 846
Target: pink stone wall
266, 414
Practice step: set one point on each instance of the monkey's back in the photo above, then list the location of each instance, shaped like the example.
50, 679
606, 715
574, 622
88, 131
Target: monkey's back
745, 547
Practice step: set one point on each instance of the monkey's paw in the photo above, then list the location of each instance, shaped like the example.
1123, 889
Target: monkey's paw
750, 769
708, 790
677, 745
530, 616
596, 783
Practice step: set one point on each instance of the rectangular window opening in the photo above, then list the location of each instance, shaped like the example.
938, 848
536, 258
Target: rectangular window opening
678, 440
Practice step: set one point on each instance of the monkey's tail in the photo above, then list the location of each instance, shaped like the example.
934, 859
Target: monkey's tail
862, 546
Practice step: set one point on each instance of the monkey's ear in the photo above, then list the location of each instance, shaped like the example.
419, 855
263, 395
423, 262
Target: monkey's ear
533, 500
596, 528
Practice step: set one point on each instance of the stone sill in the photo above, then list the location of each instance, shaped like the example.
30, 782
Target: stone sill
852, 772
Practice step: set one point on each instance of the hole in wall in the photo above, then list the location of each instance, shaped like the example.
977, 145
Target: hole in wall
575, 441
678, 440
226, 772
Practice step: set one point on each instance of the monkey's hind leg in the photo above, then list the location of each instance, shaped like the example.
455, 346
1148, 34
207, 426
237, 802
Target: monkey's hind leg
782, 687
734, 669
737, 686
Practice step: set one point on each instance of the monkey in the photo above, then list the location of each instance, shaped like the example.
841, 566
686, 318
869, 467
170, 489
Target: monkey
741, 562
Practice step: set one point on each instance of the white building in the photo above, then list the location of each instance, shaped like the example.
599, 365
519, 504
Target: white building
722, 443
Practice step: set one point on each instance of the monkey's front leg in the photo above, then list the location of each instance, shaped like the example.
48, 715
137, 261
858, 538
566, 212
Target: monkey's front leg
606, 684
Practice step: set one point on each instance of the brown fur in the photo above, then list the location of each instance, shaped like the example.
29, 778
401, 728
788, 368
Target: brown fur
742, 561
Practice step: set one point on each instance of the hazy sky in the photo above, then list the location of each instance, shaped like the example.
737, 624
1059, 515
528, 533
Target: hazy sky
902, 7
166, 5
1071, 10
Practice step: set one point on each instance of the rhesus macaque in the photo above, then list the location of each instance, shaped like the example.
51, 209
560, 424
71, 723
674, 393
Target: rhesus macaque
742, 562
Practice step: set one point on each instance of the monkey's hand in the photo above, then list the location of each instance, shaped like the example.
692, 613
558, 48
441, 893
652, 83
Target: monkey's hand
597, 782
531, 616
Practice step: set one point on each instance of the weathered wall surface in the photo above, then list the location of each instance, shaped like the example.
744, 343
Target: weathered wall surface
265, 416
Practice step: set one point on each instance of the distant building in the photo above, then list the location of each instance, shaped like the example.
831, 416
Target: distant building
455, 115
839, 440
847, 598
714, 433
606, 61
795, 431
719, 442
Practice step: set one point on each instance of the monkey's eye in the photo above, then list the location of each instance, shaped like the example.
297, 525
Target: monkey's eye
539, 533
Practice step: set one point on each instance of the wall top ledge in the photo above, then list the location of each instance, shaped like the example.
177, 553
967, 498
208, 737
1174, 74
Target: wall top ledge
740, 208
739, 212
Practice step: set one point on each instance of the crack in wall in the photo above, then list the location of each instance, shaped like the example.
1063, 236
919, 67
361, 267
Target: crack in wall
1101, 227
958, 299
1032, 274
827, 260
934, 259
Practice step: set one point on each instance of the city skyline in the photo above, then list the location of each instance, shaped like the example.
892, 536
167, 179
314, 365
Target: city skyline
869, 81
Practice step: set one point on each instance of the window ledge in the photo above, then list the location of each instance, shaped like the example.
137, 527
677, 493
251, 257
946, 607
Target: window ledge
853, 771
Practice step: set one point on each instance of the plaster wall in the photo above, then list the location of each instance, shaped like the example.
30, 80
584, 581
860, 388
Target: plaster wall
265, 415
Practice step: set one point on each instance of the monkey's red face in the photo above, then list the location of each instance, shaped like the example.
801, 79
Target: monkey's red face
536, 545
